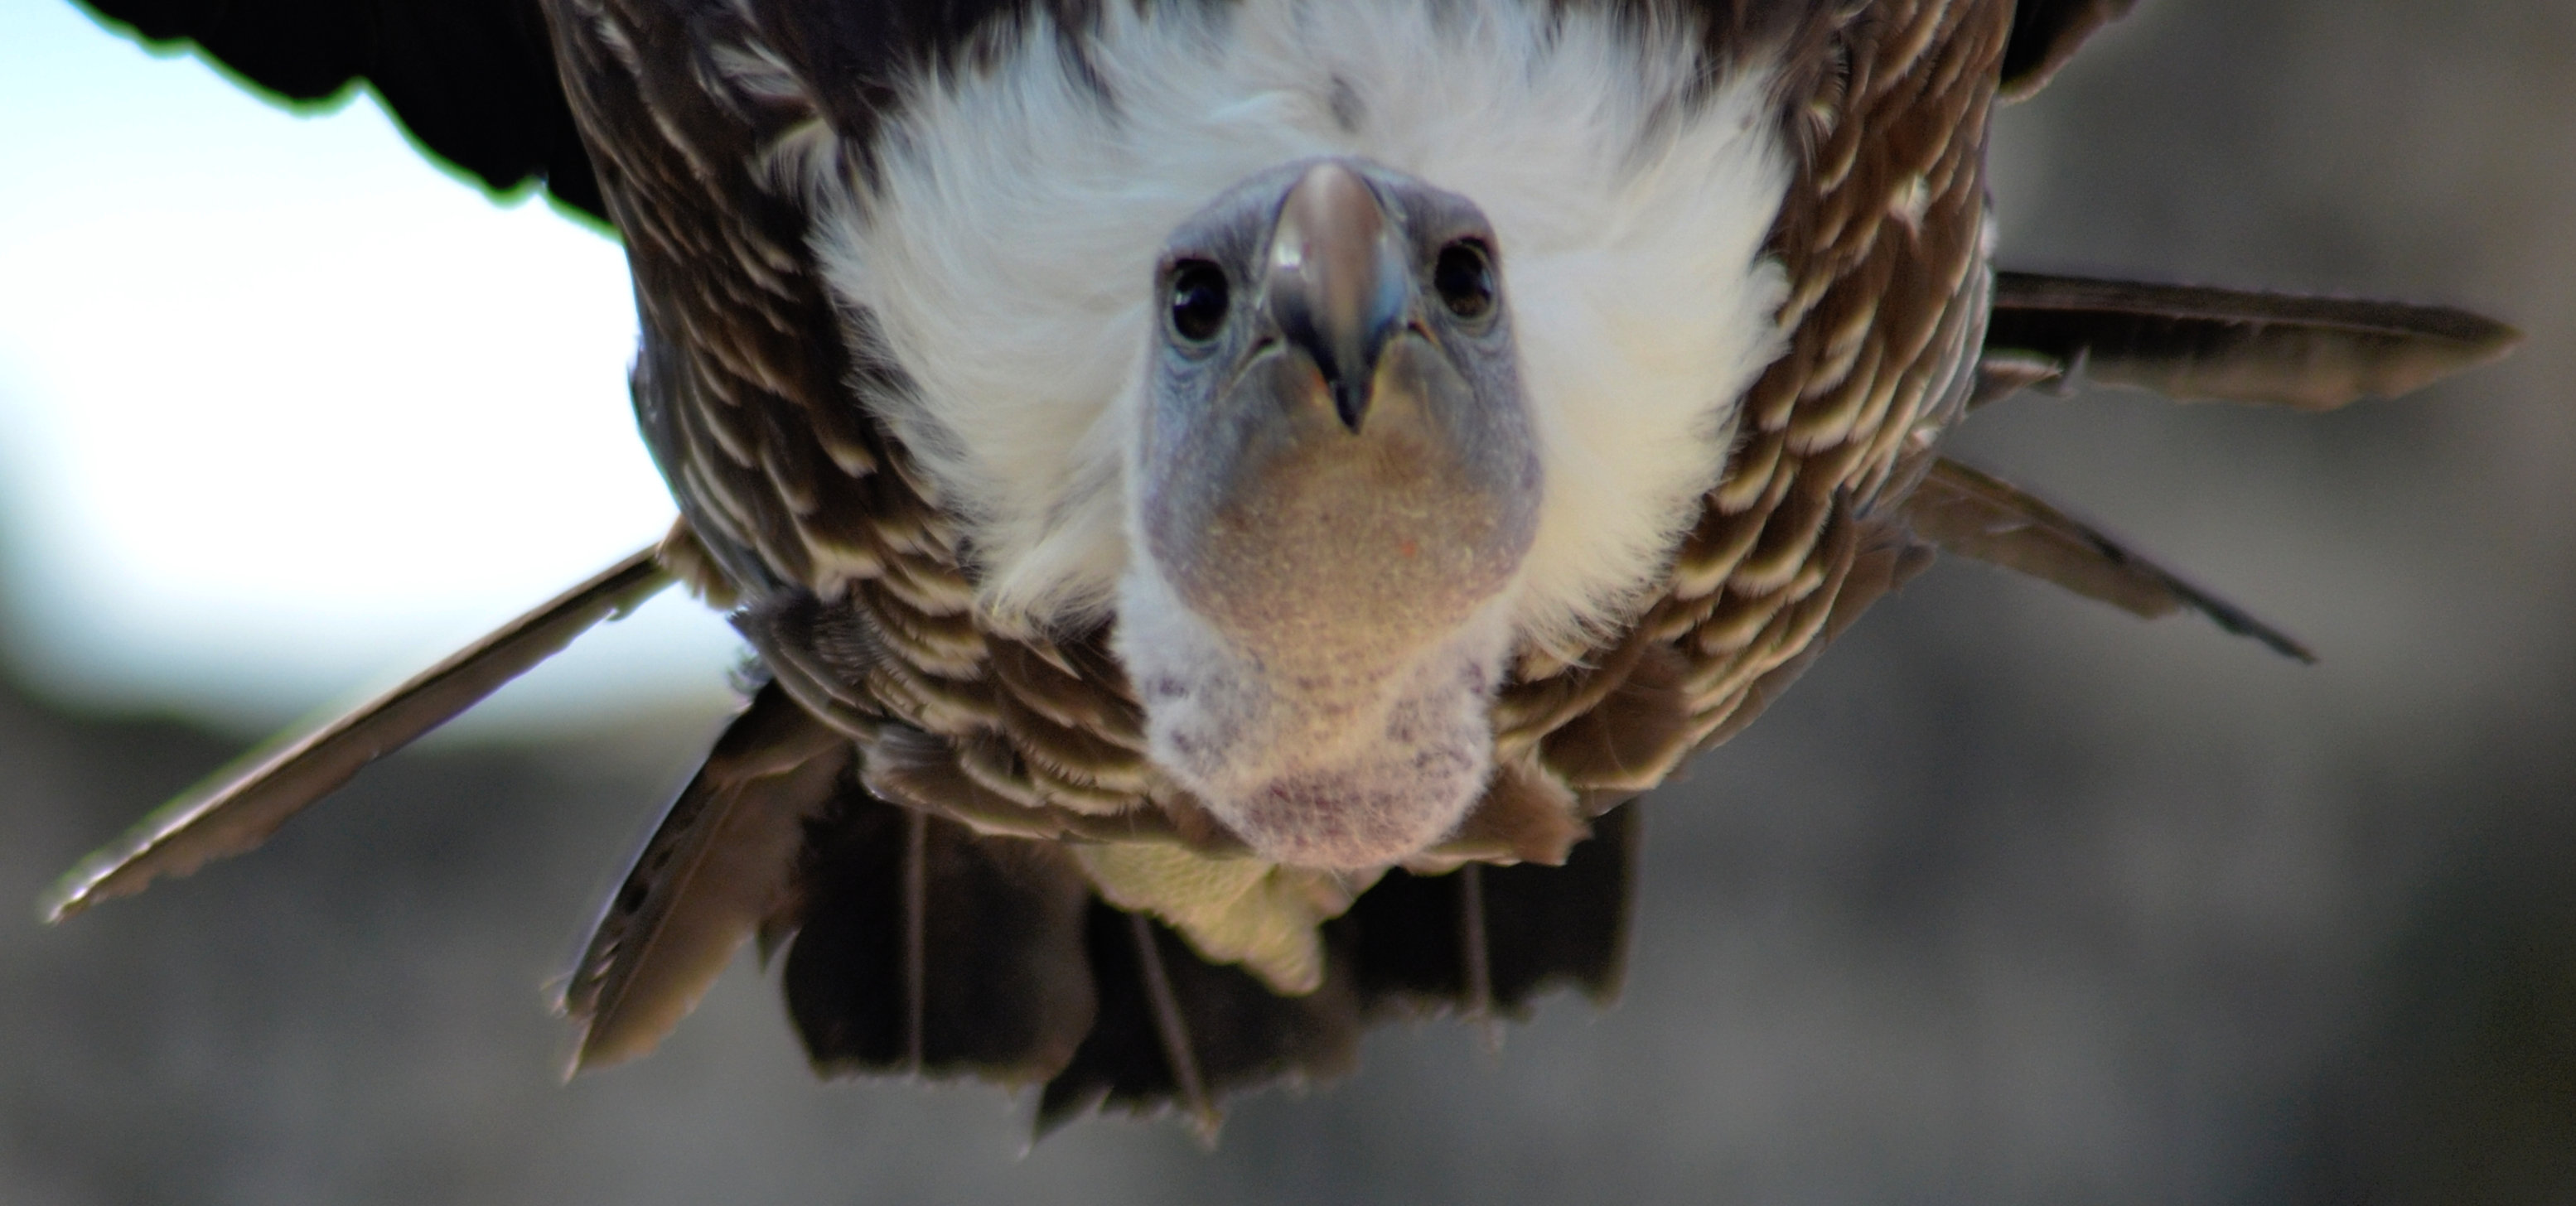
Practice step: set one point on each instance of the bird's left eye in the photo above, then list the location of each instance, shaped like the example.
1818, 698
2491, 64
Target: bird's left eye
1464, 276
1198, 300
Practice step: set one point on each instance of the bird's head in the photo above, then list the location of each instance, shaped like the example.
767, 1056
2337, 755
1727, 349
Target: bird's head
1335, 484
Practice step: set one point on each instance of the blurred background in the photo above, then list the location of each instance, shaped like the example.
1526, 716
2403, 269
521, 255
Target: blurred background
2013, 899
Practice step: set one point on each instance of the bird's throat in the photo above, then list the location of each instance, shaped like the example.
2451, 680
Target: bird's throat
1339, 759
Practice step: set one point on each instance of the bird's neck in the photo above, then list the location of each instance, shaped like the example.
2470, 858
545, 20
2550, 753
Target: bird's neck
1348, 756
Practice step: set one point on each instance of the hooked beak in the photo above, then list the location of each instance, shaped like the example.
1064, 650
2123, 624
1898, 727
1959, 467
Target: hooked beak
1336, 282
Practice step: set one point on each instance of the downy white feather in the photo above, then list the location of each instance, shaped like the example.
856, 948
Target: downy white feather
1004, 253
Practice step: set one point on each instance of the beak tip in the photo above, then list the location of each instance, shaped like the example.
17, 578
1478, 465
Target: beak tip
1337, 284
1350, 404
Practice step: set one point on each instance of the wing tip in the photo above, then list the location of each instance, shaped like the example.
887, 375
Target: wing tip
593, 1053
67, 898
2236, 621
2487, 340
1964, 511
234, 809
89, 881
128, 865
603, 1038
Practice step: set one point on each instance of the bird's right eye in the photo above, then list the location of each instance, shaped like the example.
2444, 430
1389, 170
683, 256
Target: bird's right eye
1198, 300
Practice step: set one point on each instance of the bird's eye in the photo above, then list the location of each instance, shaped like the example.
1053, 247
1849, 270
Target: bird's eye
1464, 275
1198, 300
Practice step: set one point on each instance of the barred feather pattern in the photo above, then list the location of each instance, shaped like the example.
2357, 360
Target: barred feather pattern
749, 390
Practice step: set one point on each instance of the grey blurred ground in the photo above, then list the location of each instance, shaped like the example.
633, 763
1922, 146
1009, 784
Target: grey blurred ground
2014, 899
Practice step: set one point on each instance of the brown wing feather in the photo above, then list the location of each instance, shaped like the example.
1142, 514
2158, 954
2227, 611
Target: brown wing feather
2187, 342
1881, 237
722, 860
758, 394
741, 385
1973, 514
236, 808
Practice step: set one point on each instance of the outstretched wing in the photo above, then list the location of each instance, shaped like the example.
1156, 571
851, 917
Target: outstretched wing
236, 808
473, 81
2190, 342
922, 947
2186, 342
1976, 515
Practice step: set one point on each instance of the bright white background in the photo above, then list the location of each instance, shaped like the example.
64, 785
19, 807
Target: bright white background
286, 412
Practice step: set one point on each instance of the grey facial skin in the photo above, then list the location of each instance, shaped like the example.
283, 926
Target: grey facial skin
1338, 480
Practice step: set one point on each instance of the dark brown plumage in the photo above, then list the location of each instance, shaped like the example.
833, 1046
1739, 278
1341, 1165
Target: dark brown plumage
897, 807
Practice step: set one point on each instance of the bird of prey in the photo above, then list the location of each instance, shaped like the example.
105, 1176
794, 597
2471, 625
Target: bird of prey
1233, 499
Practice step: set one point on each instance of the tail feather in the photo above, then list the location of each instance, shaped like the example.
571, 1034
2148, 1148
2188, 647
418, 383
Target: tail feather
1177, 1030
1411, 938
1551, 925
921, 947
926, 949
